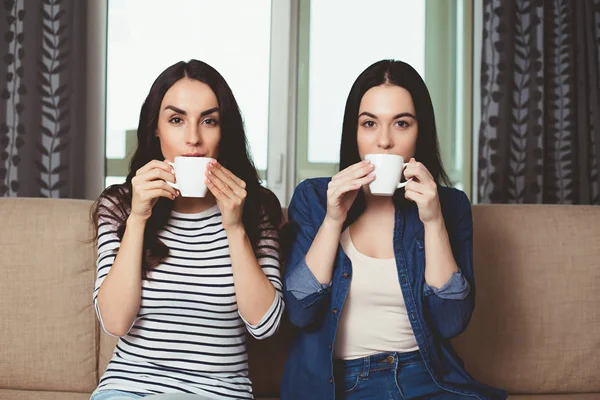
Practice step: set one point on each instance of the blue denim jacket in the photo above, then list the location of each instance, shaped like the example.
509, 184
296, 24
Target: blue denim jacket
436, 315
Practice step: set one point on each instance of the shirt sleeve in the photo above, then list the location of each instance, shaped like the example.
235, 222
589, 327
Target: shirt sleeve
267, 255
108, 246
302, 282
457, 288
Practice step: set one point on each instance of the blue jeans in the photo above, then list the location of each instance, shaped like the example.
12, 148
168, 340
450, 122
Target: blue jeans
397, 376
119, 395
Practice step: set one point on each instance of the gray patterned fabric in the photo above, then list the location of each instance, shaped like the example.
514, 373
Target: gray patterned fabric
42, 102
539, 138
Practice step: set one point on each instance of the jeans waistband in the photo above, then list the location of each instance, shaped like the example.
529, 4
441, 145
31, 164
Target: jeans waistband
377, 362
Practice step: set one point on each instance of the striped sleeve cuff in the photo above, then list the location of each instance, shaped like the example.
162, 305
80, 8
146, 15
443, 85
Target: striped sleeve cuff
270, 322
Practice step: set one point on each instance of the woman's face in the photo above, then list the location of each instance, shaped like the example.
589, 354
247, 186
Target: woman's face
387, 122
188, 121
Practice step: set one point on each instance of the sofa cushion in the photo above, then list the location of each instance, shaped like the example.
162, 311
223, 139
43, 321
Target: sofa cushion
41, 395
47, 320
536, 325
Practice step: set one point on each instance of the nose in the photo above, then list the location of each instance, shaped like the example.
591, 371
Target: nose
192, 135
384, 139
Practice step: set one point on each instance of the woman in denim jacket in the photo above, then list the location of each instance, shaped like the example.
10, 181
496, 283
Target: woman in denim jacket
375, 317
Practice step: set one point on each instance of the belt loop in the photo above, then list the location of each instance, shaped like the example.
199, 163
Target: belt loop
366, 366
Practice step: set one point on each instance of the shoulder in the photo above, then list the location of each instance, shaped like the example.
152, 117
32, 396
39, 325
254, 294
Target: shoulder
269, 207
453, 196
312, 186
267, 199
309, 200
456, 206
115, 193
115, 201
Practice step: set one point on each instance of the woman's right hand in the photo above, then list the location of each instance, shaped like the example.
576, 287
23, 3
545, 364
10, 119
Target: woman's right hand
148, 184
343, 188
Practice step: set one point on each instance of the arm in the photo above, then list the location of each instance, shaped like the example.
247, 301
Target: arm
312, 255
450, 307
259, 304
303, 292
257, 281
448, 295
118, 289
440, 264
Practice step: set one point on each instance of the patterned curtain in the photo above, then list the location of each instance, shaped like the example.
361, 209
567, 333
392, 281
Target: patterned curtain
539, 139
42, 98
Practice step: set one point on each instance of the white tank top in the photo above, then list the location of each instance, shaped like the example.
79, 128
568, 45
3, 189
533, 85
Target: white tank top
374, 317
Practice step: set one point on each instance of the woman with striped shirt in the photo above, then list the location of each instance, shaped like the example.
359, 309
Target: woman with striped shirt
182, 280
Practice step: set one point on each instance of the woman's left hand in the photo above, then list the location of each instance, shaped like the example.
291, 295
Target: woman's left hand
230, 192
423, 191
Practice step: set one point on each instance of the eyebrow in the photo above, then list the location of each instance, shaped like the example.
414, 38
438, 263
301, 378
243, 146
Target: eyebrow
404, 114
182, 112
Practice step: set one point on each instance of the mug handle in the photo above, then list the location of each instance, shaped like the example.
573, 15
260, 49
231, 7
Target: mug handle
173, 185
402, 184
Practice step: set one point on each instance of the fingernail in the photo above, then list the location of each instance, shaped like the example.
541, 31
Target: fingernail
173, 171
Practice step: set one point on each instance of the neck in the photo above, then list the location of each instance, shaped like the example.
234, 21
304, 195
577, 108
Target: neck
193, 205
378, 203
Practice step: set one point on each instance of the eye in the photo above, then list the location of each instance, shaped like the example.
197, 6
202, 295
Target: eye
402, 124
368, 124
210, 121
176, 120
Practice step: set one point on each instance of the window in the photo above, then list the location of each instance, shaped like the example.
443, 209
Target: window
147, 36
433, 36
291, 64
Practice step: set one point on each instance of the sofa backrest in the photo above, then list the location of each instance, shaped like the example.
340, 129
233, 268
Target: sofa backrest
535, 329
536, 325
47, 322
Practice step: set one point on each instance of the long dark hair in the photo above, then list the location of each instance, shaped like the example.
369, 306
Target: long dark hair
261, 208
392, 72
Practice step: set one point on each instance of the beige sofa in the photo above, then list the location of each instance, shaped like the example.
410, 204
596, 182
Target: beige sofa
535, 330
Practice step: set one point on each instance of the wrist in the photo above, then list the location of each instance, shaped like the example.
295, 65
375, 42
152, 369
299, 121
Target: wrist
235, 230
435, 224
330, 223
136, 221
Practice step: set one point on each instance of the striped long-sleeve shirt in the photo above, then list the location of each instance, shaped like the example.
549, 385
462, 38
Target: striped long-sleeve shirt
188, 336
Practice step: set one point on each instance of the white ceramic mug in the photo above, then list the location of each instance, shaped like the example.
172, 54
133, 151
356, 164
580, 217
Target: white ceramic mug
388, 173
190, 175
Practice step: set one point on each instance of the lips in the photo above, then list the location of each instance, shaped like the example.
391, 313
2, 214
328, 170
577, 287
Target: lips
193, 155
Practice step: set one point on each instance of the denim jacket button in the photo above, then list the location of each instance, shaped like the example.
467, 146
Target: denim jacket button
330, 347
330, 380
335, 310
403, 279
412, 316
346, 275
